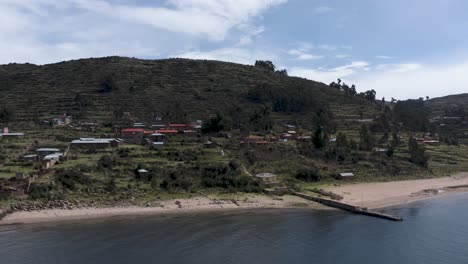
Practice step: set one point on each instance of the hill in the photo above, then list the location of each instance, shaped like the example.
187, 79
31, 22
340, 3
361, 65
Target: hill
99, 88
449, 116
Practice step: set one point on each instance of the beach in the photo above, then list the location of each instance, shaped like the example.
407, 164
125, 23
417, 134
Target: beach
191, 205
384, 194
370, 195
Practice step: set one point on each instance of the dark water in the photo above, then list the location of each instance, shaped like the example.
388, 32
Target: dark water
434, 231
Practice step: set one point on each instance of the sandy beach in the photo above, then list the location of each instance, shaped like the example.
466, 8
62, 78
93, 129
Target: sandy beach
196, 204
384, 194
370, 195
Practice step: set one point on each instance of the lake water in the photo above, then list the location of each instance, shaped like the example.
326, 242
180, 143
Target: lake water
434, 231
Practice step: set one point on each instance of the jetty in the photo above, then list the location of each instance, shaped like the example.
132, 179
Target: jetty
347, 207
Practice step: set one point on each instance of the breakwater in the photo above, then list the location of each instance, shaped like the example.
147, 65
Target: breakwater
347, 207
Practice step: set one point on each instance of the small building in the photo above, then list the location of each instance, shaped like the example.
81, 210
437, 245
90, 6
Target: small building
267, 177
190, 133
209, 144
158, 126
293, 134
345, 175
61, 120
431, 142
96, 143
252, 139
5, 133
43, 152
380, 150
157, 145
169, 132
20, 176
133, 135
178, 127
139, 125
157, 137
30, 158
143, 175
304, 138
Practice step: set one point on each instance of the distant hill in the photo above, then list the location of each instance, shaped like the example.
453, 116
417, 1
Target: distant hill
95, 89
449, 105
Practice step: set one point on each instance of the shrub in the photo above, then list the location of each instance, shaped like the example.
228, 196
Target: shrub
70, 178
308, 174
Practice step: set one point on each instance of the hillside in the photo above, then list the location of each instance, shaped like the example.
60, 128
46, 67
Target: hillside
451, 104
93, 89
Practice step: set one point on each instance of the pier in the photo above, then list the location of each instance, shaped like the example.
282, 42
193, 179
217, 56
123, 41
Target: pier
347, 207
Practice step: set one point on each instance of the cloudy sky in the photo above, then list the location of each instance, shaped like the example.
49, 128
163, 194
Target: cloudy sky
400, 48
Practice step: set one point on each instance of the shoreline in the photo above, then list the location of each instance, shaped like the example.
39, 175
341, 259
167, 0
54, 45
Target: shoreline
175, 206
371, 195
379, 195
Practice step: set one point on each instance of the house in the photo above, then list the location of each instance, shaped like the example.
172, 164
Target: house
30, 158
168, 132
431, 142
61, 120
209, 144
304, 138
157, 145
252, 139
345, 175
380, 150
96, 143
178, 127
133, 135
293, 134
158, 126
143, 175
267, 177
44, 152
147, 133
156, 137
190, 133
20, 176
5, 133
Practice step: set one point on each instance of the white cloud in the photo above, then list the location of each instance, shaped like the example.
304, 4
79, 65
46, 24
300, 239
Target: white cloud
44, 31
402, 81
237, 55
383, 57
329, 75
415, 80
302, 55
322, 9
342, 56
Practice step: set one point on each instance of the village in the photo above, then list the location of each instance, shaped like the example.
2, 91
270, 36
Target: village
61, 144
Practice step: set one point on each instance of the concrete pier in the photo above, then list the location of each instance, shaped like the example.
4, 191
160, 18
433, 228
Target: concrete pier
347, 207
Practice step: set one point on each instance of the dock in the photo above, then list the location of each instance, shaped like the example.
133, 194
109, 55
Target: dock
347, 207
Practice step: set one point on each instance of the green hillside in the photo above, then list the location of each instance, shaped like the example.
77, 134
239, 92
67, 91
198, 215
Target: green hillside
94, 89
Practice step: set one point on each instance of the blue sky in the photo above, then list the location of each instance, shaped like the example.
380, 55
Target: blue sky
402, 49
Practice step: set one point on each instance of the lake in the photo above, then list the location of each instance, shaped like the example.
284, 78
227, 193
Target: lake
433, 231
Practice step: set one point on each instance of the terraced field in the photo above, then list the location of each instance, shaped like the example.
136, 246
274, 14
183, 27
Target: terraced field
145, 88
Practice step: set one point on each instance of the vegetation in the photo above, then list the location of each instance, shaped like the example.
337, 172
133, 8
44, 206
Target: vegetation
344, 130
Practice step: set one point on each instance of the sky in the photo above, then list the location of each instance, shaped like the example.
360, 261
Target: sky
400, 48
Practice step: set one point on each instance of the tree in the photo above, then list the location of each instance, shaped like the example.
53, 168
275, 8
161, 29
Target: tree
370, 95
7, 114
282, 72
366, 140
417, 153
318, 138
268, 65
214, 125
395, 140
